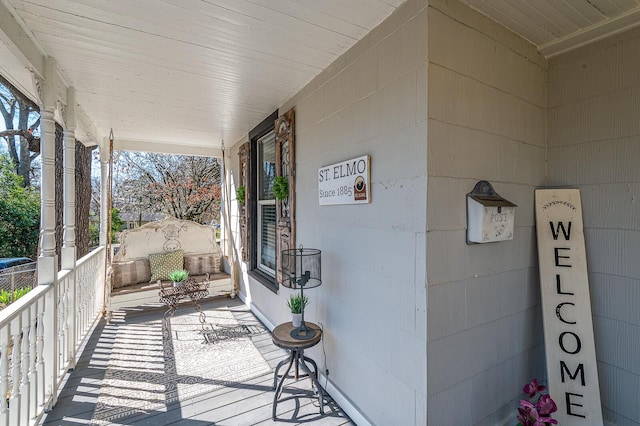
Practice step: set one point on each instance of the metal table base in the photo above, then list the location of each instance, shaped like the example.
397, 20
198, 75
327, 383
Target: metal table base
296, 360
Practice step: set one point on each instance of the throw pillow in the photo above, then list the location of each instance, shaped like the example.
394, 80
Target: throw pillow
163, 263
201, 264
130, 272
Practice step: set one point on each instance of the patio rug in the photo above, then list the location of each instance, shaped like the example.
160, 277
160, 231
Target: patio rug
147, 371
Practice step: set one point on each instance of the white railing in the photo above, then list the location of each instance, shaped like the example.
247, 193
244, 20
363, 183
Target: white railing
40, 335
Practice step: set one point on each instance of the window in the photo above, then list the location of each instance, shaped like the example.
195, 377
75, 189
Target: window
266, 235
262, 203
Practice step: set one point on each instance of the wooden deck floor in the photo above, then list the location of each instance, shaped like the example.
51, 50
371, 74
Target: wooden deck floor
235, 404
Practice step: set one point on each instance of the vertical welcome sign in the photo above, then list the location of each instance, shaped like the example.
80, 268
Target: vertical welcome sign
566, 308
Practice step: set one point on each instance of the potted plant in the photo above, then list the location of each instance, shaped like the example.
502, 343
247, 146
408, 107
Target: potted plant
240, 194
281, 187
179, 276
296, 304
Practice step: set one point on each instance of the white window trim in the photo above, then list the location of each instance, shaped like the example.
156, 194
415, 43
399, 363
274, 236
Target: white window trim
261, 266
260, 203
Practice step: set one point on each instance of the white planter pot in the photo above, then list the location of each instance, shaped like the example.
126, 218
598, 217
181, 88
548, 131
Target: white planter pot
296, 319
178, 284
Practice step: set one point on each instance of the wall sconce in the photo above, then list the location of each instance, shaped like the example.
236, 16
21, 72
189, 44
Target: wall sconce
490, 217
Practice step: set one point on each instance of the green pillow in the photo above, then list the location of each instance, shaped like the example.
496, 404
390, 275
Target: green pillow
163, 263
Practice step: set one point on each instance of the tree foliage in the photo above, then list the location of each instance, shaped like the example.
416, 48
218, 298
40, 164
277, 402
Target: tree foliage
185, 187
19, 214
116, 225
22, 137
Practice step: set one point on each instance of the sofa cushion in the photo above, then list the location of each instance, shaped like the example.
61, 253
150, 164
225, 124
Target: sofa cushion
201, 264
163, 263
130, 272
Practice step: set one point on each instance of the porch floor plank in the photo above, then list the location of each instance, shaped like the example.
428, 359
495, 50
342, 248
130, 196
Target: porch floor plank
238, 403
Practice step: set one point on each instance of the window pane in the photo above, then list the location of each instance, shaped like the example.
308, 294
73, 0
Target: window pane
266, 166
268, 236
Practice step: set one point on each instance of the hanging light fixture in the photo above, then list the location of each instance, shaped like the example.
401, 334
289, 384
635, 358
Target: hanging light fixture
301, 268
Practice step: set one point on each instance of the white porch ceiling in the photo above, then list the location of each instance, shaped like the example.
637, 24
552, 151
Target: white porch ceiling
181, 75
192, 72
556, 26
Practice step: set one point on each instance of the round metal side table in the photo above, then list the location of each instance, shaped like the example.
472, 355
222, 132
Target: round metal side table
281, 336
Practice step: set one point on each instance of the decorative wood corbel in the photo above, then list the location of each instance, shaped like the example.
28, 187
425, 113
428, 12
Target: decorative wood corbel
285, 166
243, 210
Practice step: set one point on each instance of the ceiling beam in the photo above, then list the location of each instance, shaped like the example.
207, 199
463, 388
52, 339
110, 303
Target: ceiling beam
592, 33
19, 39
85, 129
164, 147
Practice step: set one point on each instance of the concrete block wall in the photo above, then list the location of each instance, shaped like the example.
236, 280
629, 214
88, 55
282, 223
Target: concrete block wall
594, 144
487, 121
372, 302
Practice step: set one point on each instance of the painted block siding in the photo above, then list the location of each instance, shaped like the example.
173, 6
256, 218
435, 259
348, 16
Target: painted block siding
487, 120
594, 144
441, 97
372, 302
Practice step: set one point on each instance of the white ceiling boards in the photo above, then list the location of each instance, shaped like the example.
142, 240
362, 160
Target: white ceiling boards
191, 72
561, 25
188, 74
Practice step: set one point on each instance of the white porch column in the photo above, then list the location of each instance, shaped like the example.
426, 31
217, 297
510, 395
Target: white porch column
69, 226
47, 260
104, 194
69, 234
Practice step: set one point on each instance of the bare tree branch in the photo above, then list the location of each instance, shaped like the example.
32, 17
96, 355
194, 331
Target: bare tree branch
16, 106
21, 132
181, 186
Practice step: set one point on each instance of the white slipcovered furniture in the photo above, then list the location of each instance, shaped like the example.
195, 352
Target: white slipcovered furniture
132, 278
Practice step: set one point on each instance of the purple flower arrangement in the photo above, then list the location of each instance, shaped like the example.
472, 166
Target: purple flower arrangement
538, 409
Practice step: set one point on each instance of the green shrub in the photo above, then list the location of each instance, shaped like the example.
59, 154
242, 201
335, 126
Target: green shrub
6, 297
19, 214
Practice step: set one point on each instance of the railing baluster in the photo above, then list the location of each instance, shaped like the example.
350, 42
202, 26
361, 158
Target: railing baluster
4, 375
88, 305
49, 351
33, 338
16, 357
87, 289
72, 324
81, 302
40, 356
24, 366
63, 311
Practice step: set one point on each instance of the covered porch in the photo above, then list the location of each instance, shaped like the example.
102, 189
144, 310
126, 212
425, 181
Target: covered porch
58, 343
419, 326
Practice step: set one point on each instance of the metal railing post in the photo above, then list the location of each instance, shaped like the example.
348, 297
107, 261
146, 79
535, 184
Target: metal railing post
50, 346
